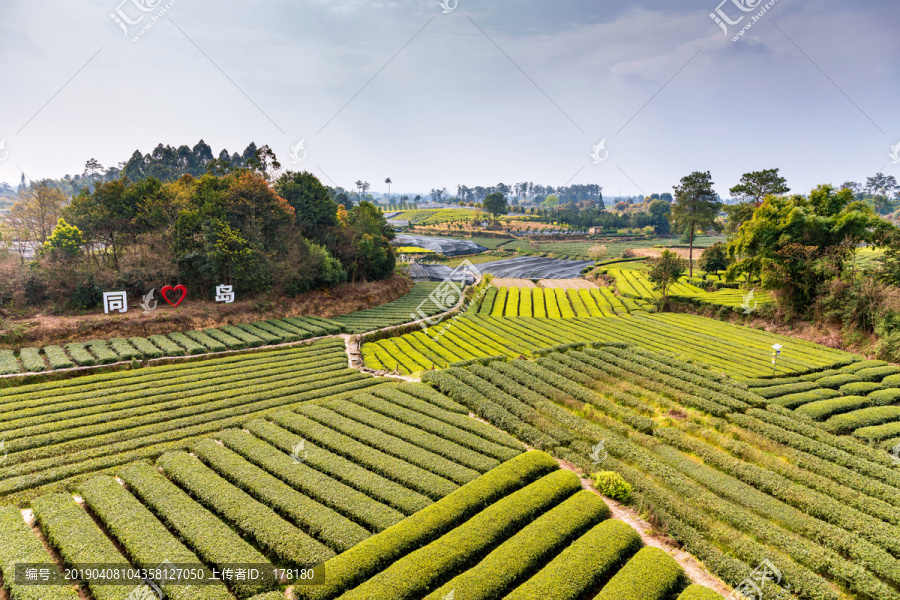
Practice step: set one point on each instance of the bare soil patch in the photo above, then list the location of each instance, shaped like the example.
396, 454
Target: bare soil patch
656, 252
199, 314
510, 282
567, 284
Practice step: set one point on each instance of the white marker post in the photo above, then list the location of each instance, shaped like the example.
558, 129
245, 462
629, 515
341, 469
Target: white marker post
777, 351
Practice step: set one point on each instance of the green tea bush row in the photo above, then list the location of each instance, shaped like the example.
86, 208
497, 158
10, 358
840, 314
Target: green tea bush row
8, 363
651, 574
414, 435
774, 391
80, 355
390, 444
79, 541
204, 533
103, 352
428, 394
169, 347
147, 542
250, 340
823, 409
795, 400
343, 470
866, 364
859, 388
377, 553
400, 471
461, 548
241, 511
190, 345
878, 432
354, 505
31, 360
524, 553
283, 335
208, 343
124, 349
584, 565
18, 545
489, 410
262, 334
57, 358
836, 381
699, 592
317, 520
231, 342
866, 417
145, 347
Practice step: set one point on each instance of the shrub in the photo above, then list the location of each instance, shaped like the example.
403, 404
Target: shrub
795, 400
146, 348
650, 575
859, 388
698, 592
611, 485
865, 417
584, 565
32, 360
58, 358
350, 569
863, 364
189, 345
825, 408
783, 389
80, 355
877, 373
836, 381
168, 347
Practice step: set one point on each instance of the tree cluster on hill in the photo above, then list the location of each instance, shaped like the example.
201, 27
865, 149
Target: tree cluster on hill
240, 227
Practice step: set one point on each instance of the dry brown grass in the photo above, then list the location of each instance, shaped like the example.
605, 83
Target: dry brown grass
198, 314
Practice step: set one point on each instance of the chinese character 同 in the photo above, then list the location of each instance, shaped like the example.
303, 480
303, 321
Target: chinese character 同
115, 301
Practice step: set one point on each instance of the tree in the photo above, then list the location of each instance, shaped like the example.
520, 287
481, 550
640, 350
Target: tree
714, 259
551, 201
65, 242
666, 270
659, 210
598, 253
37, 210
438, 194
388, 182
91, 168
496, 204
696, 206
757, 185
315, 210
796, 244
881, 185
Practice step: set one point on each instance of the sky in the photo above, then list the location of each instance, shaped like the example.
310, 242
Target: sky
630, 96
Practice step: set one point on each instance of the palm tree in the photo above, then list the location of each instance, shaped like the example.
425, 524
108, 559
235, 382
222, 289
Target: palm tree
359, 185
389, 182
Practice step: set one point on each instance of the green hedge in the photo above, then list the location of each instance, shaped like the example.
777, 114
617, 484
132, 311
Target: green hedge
247, 338
405, 473
229, 340
823, 409
57, 358
317, 520
698, 592
836, 381
442, 446
124, 349
651, 574
168, 347
79, 354
789, 388
351, 568
144, 538
209, 343
147, 348
241, 511
859, 388
265, 336
103, 352
865, 417
525, 552
32, 360
346, 471
354, 505
877, 433
877, 373
18, 544
190, 346
864, 364
584, 565
204, 533
79, 541
795, 400
463, 547
439, 428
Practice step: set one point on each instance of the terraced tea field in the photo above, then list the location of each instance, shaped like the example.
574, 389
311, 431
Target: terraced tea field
735, 482
400, 311
57, 432
229, 337
556, 303
633, 283
730, 349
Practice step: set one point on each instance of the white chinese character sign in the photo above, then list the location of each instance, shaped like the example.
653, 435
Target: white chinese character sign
115, 301
225, 293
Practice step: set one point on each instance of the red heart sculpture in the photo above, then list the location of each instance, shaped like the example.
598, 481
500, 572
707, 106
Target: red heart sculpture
177, 288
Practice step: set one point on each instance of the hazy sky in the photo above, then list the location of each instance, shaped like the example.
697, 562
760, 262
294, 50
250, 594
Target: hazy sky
487, 92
